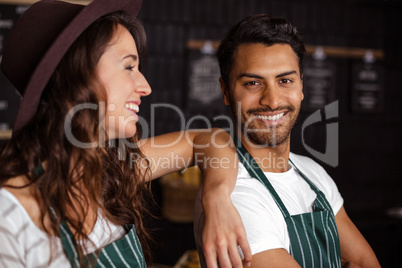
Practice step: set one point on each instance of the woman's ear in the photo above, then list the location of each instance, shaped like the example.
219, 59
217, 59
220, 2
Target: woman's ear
302, 81
225, 92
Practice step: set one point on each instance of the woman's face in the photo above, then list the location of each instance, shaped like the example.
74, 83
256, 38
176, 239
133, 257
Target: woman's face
118, 73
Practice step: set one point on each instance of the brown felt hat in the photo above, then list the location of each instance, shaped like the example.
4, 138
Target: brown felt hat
40, 39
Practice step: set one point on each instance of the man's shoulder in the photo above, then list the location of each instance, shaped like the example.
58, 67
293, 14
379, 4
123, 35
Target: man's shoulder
302, 159
305, 163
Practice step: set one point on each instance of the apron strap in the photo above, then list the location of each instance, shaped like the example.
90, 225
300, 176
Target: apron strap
67, 237
39, 170
68, 241
314, 238
254, 170
322, 199
313, 187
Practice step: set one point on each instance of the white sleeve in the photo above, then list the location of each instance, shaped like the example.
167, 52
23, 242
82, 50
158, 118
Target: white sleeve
262, 219
331, 191
11, 252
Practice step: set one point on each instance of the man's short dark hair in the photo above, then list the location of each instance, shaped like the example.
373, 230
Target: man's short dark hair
258, 29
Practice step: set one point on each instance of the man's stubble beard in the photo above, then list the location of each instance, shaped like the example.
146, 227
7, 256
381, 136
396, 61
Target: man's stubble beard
257, 132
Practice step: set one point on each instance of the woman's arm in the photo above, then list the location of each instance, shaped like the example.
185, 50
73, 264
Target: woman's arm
170, 152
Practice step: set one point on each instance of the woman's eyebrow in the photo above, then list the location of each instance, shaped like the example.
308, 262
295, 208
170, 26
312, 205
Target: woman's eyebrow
134, 57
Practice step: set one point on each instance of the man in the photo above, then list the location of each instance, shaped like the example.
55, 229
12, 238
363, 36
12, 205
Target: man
290, 207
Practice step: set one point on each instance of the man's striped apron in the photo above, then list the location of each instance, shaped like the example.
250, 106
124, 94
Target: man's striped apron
314, 240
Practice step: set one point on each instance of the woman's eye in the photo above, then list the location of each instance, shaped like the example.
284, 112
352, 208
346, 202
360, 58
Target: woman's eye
130, 68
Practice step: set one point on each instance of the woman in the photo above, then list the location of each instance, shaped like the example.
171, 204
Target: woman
69, 190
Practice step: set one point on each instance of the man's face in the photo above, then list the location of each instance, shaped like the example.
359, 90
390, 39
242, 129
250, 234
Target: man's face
265, 92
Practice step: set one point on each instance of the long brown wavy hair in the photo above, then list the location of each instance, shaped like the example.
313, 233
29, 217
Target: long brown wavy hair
77, 178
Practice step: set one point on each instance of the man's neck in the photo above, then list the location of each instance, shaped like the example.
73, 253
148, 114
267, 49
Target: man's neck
270, 159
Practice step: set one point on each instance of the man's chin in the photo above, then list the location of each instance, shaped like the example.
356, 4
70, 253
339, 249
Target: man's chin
261, 142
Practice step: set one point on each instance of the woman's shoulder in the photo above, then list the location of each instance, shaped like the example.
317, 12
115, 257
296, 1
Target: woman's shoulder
11, 207
25, 242
18, 205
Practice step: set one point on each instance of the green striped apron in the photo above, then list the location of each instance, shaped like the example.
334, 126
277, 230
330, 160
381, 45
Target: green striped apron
314, 240
124, 252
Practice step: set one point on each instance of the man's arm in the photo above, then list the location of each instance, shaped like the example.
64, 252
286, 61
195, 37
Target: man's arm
275, 258
355, 251
223, 228
354, 248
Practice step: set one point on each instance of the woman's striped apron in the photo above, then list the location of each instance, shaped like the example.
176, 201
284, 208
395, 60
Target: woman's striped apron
314, 240
124, 252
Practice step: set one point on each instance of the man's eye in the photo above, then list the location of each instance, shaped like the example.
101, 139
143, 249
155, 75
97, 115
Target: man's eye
285, 81
252, 83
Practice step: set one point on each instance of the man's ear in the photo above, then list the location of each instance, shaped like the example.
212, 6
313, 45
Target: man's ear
225, 92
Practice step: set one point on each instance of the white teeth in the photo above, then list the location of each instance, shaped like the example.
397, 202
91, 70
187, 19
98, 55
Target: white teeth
271, 118
133, 107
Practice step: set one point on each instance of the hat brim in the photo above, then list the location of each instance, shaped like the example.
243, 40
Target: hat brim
44, 70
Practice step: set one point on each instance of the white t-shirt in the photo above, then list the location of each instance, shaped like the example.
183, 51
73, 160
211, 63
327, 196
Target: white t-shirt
264, 223
23, 244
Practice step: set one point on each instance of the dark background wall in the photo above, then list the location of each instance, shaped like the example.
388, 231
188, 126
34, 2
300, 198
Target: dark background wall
370, 144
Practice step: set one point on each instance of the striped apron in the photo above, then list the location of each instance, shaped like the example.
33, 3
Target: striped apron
314, 240
124, 252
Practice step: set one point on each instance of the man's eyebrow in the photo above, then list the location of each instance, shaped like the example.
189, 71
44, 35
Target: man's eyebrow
251, 75
285, 74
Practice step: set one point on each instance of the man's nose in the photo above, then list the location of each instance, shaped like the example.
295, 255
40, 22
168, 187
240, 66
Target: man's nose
270, 97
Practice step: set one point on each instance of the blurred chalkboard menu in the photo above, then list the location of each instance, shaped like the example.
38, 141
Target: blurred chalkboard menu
204, 76
9, 97
318, 83
204, 97
367, 87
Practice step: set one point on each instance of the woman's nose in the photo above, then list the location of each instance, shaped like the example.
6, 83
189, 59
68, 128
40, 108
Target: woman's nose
142, 87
